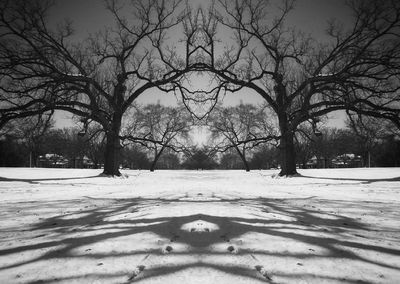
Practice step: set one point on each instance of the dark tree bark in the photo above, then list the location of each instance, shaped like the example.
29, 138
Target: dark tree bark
286, 147
287, 154
113, 145
156, 158
112, 155
243, 158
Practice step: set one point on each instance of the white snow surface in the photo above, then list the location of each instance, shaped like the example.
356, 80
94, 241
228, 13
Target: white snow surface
322, 226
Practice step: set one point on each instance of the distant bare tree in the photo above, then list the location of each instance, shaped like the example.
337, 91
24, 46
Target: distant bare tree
305, 139
96, 141
242, 128
158, 127
31, 132
369, 132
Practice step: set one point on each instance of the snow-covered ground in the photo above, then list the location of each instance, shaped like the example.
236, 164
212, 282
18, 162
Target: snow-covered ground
74, 226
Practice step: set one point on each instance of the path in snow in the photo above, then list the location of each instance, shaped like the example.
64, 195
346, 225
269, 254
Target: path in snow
326, 226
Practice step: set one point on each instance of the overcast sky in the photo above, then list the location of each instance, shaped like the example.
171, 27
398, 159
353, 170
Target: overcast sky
89, 16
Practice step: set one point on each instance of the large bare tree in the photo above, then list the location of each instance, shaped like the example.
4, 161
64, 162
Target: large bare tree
96, 78
301, 77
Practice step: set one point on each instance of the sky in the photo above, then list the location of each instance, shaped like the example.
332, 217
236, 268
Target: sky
89, 16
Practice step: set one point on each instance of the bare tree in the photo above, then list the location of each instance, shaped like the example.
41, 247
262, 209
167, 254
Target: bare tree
241, 128
31, 132
158, 127
302, 78
94, 137
305, 139
369, 131
97, 78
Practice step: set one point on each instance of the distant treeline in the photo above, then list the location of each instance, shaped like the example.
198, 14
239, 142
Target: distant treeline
68, 149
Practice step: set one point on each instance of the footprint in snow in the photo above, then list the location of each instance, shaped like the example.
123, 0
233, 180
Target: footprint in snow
262, 271
136, 272
231, 248
168, 248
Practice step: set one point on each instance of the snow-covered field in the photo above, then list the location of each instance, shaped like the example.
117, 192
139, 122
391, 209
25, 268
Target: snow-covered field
325, 226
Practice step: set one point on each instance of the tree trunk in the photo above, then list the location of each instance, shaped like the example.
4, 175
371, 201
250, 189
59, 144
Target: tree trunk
111, 155
286, 147
112, 149
153, 165
246, 165
287, 155
243, 157
156, 157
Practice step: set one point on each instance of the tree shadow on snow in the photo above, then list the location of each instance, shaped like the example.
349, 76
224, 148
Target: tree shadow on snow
361, 180
75, 235
38, 180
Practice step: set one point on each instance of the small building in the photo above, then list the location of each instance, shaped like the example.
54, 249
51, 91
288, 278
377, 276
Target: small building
81, 162
52, 161
317, 162
59, 161
347, 161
